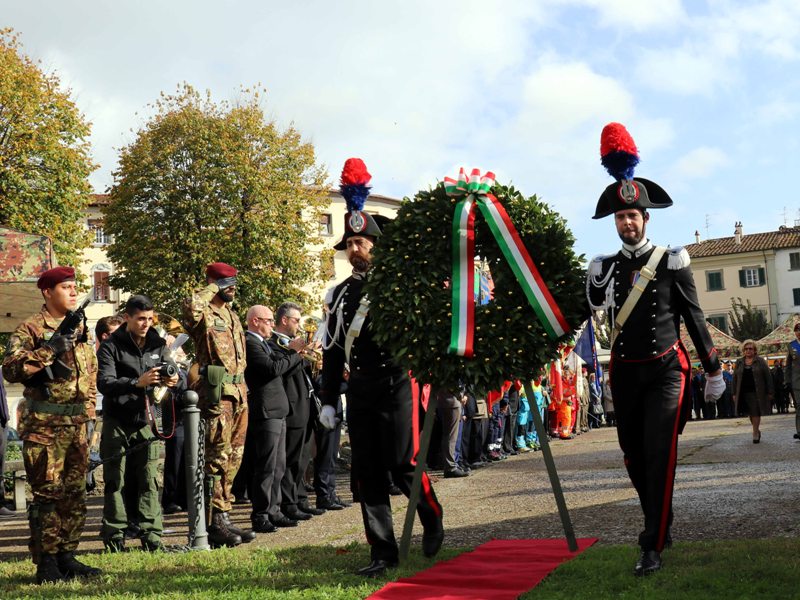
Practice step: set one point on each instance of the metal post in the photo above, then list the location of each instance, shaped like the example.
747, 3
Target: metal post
198, 537
419, 469
544, 442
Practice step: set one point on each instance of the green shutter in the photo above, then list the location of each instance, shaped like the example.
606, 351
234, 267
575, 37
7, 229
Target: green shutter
762, 276
742, 280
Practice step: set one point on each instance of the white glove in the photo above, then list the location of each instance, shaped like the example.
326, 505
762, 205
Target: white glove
327, 417
715, 387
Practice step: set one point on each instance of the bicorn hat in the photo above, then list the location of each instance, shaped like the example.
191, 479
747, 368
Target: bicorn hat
353, 187
619, 156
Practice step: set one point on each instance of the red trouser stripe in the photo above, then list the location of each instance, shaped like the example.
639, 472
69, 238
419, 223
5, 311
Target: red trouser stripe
418, 394
683, 359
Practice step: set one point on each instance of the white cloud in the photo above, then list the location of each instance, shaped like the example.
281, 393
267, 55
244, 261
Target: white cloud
637, 16
699, 163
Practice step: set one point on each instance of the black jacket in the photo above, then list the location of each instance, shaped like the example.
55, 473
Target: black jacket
120, 361
654, 324
295, 382
266, 396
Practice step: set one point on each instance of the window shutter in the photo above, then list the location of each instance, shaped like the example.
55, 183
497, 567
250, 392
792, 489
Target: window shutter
762, 277
742, 280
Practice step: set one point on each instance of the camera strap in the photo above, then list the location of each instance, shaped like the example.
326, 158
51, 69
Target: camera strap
151, 416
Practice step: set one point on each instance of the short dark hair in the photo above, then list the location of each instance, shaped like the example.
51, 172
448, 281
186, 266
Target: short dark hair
138, 303
104, 325
284, 309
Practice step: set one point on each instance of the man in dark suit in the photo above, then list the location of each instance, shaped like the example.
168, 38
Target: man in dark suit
297, 383
265, 446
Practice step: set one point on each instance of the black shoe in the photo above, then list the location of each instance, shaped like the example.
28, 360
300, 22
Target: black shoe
649, 562
283, 521
432, 539
47, 570
476, 465
297, 515
72, 568
797, 436
341, 502
264, 526
395, 491
132, 531
455, 473
6, 513
218, 533
246, 534
153, 543
115, 544
377, 568
325, 504
308, 509
171, 509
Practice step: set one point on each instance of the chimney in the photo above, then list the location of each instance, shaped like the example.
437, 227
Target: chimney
737, 233
696, 237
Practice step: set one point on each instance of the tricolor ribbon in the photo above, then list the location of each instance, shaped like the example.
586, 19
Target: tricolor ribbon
476, 190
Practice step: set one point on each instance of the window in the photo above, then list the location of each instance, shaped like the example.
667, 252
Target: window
325, 224
794, 261
714, 281
719, 321
796, 296
752, 277
102, 292
100, 237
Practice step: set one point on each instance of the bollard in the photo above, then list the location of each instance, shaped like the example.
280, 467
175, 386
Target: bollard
198, 537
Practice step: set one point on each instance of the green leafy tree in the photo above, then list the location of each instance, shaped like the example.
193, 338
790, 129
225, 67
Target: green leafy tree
44, 153
205, 182
747, 322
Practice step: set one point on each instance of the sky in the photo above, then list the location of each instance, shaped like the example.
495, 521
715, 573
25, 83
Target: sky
709, 90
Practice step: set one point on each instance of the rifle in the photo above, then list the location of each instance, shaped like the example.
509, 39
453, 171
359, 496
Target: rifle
59, 369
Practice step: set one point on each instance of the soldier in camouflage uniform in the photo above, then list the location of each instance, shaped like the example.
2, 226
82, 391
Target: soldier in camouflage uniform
220, 346
53, 426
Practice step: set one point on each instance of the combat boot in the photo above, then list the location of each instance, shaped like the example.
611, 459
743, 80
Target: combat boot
218, 533
247, 535
72, 568
47, 570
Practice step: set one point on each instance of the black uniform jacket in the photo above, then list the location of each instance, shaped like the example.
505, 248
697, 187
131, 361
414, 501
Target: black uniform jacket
368, 360
120, 361
653, 326
266, 397
296, 386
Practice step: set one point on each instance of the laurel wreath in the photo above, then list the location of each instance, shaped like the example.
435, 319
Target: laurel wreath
410, 299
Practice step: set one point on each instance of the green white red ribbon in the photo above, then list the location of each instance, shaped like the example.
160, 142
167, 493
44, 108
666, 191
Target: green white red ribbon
475, 190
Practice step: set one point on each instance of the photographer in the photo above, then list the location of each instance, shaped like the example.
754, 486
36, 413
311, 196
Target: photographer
133, 360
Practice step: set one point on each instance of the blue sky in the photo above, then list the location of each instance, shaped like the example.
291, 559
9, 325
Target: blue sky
709, 90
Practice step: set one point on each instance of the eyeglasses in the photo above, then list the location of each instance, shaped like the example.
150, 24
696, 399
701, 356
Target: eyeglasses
265, 320
295, 319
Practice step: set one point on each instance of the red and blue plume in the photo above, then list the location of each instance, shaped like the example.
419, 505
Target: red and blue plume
618, 151
353, 183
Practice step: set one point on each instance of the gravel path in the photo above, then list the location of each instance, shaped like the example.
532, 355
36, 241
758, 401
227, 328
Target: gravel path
726, 487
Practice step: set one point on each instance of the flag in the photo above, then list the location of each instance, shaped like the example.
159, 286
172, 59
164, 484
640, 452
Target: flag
586, 349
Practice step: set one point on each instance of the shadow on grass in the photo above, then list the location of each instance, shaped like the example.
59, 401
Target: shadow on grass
303, 572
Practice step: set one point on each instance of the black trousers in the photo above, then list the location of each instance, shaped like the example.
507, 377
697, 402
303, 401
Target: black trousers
380, 417
652, 404
292, 481
325, 462
265, 447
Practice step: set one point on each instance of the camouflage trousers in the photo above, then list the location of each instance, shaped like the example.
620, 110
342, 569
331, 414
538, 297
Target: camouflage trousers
141, 465
226, 427
56, 460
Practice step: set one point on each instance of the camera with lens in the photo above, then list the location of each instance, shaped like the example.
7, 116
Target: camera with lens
166, 369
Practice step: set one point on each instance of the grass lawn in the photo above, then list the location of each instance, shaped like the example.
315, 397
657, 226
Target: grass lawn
749, 569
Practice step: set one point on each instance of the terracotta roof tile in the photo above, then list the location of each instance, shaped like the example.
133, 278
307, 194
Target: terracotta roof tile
785, 237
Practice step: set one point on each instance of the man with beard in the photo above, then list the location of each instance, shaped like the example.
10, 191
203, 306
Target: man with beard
379, 401
645, 291
220, 363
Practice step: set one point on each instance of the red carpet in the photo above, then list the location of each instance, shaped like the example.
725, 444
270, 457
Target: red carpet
497, 570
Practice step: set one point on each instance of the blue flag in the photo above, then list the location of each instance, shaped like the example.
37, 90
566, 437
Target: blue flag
586, 349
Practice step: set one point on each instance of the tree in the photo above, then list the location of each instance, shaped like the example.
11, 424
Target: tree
44, 154
747, 322
205, 182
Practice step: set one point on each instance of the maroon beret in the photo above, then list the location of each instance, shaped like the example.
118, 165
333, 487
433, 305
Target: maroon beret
53, 277
218, 270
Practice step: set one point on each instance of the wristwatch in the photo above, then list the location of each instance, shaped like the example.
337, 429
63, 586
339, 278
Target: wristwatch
135, 382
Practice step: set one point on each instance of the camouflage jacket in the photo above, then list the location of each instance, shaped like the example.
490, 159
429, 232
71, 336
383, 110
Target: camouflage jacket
25, 355
218, 338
